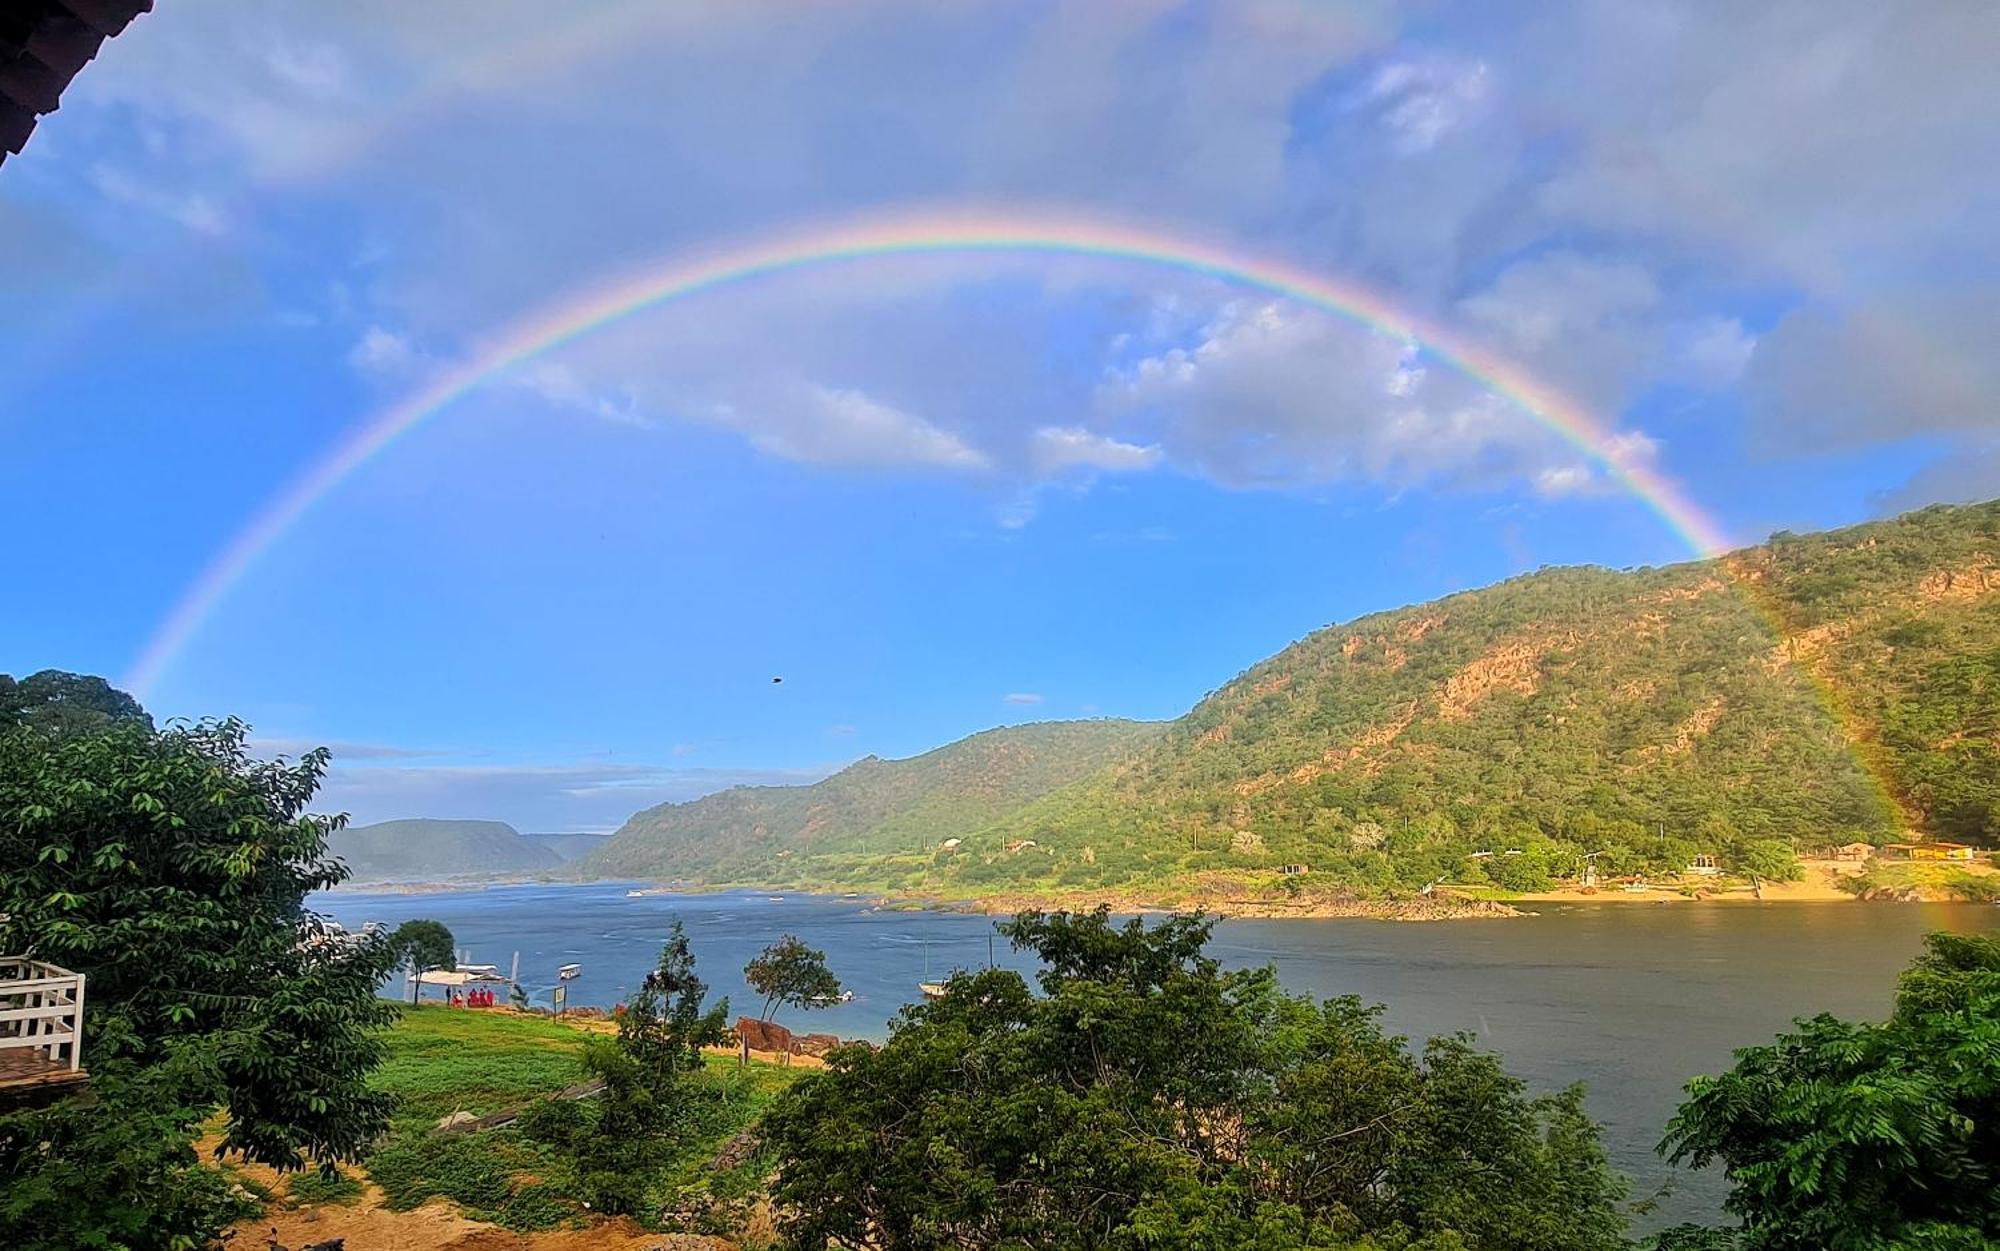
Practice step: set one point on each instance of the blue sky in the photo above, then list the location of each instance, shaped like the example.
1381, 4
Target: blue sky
937, 494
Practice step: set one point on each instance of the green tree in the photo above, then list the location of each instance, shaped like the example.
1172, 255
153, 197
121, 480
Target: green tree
1764, 857
669, 1022
172, 869
1147, 1097
660, 1038
422, 945
1862, 1136
66, 702
789, 972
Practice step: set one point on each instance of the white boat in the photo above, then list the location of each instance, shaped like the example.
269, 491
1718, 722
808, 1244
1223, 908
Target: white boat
931, 990
569, 972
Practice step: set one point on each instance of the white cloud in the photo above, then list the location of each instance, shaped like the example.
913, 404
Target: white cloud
1560, 480
1630, 449
1903, 366
1420, 102
385, 352
264, 745
1971, 472
560, 385
1714, 351
1270, 395
820, 425
1058, 448
1590, 324
1594, 189
196, 211
1021, 697
318, 71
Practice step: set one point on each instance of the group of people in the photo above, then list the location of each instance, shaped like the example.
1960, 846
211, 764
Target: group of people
477, 997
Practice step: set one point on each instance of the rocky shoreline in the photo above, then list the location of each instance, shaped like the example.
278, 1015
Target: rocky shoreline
1436, 907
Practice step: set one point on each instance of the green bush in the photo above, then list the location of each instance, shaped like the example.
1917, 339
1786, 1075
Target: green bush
479, 1172
317, 1187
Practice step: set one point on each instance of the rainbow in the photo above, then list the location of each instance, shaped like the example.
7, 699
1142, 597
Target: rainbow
550, 328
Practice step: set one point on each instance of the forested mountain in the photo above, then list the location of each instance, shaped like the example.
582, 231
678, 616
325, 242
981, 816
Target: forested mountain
873, 810
1813, 690
424, 850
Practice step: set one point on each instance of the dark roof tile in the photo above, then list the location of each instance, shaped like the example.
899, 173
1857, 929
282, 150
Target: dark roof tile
44, 44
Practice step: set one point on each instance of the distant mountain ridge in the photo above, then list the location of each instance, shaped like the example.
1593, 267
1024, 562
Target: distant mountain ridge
424, 849
873, 808
568, 846
1814, 689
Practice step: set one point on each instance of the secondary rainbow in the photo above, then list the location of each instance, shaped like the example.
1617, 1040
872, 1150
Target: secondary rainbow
564, 321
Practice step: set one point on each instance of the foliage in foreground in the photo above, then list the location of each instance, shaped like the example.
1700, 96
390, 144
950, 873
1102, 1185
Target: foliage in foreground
171, 869
647, 1099
1843, 1136
1149, 1098
541, 1172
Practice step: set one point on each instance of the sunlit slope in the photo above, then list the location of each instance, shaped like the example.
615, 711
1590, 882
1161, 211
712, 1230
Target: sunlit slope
873, 810
422, 849
1816, 689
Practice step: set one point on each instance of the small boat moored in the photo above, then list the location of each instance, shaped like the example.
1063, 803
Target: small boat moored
569, 972
931, 990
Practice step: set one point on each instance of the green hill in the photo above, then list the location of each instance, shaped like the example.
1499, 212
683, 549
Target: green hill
872, 813
1810, 691
427, 850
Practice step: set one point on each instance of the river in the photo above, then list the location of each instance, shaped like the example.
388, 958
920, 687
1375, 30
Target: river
1630, 999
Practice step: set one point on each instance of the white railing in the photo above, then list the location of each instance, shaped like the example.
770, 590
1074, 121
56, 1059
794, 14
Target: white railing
41, 1008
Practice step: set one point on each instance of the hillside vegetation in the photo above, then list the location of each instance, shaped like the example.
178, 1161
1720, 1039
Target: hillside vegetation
1814, 690
424, 849
874, 812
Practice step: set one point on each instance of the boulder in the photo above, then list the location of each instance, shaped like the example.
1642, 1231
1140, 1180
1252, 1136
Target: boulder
814, 1044
456, 1119
763, 1035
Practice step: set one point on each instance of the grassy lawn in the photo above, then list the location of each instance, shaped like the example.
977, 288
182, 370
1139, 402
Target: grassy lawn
442, 1060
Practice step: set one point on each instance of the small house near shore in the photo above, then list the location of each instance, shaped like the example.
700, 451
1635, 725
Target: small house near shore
1933, 850
1293, 870
1852, 851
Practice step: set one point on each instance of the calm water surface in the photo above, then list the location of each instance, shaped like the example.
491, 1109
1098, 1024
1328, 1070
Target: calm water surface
1629, 999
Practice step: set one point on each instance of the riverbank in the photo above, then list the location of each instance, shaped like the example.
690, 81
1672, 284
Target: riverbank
1249, 899
1822, 881
1437, 906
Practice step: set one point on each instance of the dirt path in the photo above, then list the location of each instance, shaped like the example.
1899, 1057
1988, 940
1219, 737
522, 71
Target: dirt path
366, 1225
